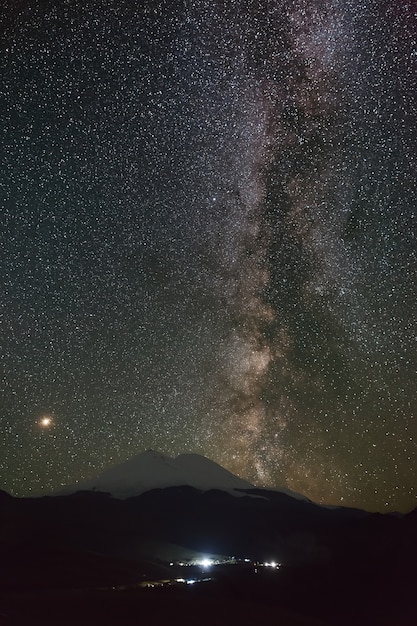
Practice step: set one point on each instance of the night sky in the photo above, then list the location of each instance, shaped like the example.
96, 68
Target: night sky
208, 241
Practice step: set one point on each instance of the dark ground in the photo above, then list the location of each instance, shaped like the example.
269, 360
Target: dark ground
61, 558
289, 598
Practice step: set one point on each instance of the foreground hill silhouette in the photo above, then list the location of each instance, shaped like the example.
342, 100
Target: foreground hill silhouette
337, 565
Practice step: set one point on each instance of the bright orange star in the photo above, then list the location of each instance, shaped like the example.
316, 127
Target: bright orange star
45, 422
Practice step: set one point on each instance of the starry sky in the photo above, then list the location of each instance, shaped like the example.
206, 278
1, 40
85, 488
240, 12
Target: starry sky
208, 241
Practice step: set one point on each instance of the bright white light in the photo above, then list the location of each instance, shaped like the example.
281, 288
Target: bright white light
191, 581
272, 564
206, 563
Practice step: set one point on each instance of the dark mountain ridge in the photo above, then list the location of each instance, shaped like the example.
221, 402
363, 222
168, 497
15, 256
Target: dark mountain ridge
87, 540
122, 530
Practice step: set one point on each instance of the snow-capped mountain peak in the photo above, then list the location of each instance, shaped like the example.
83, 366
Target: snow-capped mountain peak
153, 470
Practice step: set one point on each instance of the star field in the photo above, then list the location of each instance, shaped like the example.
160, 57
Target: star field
208, 242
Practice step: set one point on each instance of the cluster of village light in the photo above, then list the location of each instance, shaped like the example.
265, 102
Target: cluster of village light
206, 562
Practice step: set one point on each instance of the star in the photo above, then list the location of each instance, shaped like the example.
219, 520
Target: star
45, 421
